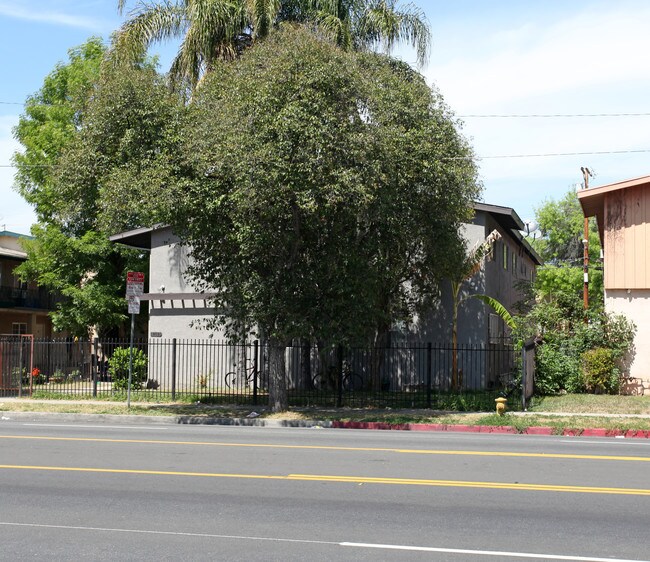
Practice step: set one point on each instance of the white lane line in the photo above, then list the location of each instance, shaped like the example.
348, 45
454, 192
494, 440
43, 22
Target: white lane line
331, 543
625, 442
74, 425
500, 553
168, 533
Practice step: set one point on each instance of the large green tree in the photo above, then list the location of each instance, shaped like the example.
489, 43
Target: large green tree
52, 117
214, 30
103, 142
325, 195
561, 224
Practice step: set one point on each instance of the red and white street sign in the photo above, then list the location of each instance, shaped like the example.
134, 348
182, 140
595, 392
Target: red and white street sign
134, 277
134, 284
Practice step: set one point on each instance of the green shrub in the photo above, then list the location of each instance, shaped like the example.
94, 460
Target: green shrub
118, 368
599, 370
556, 369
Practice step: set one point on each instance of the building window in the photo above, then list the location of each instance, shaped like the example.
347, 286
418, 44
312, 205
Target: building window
495, 329
505, 256
514, 263
19, 328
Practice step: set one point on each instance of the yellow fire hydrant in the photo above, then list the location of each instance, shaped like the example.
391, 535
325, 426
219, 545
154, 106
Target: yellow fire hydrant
501, 405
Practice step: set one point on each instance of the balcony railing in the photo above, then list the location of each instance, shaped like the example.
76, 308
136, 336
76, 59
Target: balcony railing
14, 297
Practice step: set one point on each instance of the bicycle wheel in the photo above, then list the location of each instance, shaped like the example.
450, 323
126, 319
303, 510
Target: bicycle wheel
316, 382
230, 379
352, 381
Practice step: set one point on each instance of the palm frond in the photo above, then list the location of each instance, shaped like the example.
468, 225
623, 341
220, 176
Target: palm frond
379, 23
152, 24
263, 14
476, 256
495, 305
336, 28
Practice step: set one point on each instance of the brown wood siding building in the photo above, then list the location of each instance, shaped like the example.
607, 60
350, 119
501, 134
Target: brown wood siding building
622, 211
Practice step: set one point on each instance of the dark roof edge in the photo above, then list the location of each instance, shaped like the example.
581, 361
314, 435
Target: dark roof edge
137, 238
508, 212
509, 220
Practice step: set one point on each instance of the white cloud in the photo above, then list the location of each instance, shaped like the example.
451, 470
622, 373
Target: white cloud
512, 64
48, 16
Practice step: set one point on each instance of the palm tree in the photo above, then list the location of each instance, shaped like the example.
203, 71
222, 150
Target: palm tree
213, 30
366, 24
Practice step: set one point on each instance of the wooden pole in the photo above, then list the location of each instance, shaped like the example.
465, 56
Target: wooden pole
585, 242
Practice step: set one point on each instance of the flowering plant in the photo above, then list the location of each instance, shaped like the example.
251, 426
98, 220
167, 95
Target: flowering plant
36, 372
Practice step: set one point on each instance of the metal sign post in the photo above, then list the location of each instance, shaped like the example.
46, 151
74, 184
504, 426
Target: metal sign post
134, 290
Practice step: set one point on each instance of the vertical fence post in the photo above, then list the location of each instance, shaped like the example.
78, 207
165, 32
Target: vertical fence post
174, 369
523, 377
255, 371
20, 367
95, 365
429, 375
339, 380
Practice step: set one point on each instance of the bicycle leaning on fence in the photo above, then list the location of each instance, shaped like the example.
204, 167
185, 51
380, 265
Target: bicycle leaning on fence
327, 380
233, 378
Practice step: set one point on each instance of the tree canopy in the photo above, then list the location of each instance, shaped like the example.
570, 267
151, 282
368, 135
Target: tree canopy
100, 129
51, 119
323, 195
562, 227
561, 224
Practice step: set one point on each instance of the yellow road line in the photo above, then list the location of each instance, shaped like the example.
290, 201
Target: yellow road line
333, 448
348, 479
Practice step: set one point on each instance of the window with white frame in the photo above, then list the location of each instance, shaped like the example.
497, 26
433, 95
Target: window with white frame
19, 328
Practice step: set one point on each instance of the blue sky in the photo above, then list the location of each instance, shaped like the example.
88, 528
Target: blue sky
503, 57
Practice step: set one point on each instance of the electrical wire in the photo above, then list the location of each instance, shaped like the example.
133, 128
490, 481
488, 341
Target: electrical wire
496, 115
451, 158
550, 115
546, 155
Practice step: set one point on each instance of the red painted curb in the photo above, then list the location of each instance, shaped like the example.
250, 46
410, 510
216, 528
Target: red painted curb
538, 431
465, 428
497, 429
594, 432
427, 427
572, 432
636, 434
535, 430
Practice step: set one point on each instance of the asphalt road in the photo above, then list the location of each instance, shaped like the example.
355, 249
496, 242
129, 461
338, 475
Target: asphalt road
102, 492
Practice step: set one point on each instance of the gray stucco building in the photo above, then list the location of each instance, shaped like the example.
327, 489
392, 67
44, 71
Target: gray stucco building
176, 310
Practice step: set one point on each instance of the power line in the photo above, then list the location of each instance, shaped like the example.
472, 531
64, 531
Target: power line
547, 155
29, 166
493, 115
476, 157
550, 115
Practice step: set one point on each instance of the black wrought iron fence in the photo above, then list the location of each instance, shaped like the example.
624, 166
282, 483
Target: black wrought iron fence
415, 375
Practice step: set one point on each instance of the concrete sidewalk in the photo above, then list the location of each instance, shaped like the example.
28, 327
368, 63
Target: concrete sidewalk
252, 419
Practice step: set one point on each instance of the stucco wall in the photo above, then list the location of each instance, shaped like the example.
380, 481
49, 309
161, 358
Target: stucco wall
168, 318
635, 305
11, 243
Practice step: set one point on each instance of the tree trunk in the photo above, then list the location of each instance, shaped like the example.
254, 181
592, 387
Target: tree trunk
382, 341
241, 364
278, 399
455, 382
305, 363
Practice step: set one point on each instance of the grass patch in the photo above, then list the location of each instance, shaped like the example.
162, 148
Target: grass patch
592, 404
197, 406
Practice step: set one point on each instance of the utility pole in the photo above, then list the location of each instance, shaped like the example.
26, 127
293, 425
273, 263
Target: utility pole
586, 174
